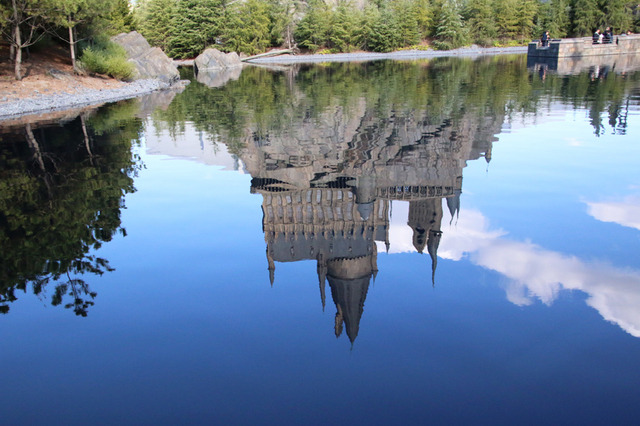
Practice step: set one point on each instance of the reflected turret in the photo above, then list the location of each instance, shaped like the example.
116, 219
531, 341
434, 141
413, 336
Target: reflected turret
329, 179
425, 218
349, 281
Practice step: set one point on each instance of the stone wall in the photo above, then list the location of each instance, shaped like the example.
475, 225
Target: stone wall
579, 47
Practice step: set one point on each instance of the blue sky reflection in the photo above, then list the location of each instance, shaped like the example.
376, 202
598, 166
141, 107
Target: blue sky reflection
534, 272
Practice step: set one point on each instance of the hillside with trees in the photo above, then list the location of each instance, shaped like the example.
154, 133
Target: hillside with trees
184, 28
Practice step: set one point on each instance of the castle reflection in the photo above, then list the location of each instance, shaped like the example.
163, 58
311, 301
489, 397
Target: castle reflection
328, 184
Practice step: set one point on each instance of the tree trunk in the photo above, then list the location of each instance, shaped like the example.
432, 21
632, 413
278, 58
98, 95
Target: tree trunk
72, 48
17, 42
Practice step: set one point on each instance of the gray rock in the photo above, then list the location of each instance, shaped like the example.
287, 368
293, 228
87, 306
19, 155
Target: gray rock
150, 62
213, 59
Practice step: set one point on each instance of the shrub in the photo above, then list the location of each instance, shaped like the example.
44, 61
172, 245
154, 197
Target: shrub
107, 57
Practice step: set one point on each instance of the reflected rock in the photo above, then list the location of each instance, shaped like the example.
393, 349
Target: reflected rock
218, 77
157, 100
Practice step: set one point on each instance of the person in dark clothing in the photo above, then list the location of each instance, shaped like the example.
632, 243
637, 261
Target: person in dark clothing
608, 36
545, 39
596, 37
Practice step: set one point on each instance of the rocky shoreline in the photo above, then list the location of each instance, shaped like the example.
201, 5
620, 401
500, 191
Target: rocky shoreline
42, 104
81, 98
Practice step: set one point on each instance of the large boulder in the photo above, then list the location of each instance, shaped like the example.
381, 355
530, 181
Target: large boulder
149, 62
213, 59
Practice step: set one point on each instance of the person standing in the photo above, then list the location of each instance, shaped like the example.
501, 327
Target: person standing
545, 39
596, 36
608, 35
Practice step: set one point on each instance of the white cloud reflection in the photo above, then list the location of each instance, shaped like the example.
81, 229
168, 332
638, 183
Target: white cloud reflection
625, 212
532, 271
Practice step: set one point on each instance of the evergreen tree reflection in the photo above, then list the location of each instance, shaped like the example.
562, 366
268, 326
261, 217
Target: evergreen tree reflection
61, 191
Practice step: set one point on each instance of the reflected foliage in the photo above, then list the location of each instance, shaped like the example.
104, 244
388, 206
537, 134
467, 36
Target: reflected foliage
262, 101
330, 146
61, 192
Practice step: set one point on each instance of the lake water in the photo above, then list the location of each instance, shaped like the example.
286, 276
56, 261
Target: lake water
430, 242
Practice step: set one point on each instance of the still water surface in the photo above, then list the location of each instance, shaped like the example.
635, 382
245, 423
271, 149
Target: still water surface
444, 241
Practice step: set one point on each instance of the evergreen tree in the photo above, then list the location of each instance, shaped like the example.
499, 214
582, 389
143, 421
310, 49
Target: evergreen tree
195, 24
424, 16
368, 19
525, 13
480, 20
21, 27
554, 17
155, 21
120, 19
617, 15
406, 18
248, 27
450, 31
71, 14
313, 30
283, 15
586, 17
342, 36
384, 35
506, 16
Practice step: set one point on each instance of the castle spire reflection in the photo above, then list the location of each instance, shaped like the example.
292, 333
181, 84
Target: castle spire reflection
328, 184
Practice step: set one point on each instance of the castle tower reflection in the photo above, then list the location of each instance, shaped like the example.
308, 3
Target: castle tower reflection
328, 185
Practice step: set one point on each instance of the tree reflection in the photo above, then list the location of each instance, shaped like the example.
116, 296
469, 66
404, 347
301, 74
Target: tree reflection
61, 191
330, 147
267, 100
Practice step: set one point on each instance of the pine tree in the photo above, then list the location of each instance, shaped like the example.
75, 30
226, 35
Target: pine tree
554, 17
195, 24
617, 15
282, 21
313, 30
481, 21
368, 19
384, 35
155, 21
423, 12
506, 16
71, 14
406, 16
450, 31
586, 17
248, 27
342, 35
525, 13
120, 19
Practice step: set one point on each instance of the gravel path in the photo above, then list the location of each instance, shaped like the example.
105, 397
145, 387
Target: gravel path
472, 52
86, 97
